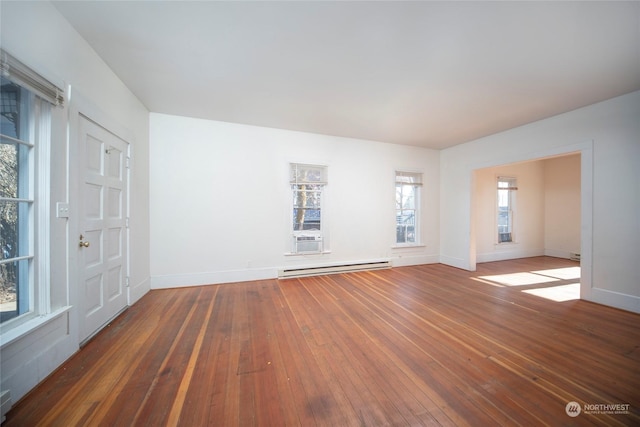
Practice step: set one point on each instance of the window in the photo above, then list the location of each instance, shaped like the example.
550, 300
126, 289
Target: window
307, 186
408, 207
25, 128
16, 200
506, 206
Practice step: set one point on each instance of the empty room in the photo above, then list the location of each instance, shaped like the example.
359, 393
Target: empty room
327, 213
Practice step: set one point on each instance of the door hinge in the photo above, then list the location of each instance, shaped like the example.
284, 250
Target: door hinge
126, 222
127, 162
126, 281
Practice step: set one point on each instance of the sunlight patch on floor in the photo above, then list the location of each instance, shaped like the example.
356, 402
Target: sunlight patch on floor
567, 273
557, 293
541, 283
519, 279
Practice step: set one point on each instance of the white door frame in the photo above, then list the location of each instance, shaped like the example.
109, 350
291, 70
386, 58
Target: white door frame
80, 106
585, 149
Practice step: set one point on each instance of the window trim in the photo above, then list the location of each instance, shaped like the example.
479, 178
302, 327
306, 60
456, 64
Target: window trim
42, 97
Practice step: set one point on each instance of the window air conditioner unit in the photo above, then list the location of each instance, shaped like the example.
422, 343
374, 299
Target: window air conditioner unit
504, 237
307, 244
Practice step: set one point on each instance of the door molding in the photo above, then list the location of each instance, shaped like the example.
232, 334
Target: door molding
81, 107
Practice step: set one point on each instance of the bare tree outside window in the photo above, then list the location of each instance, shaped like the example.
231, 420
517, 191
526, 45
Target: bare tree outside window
10, 127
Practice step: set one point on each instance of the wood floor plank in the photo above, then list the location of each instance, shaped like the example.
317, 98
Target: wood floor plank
188, 376
422, 345
205, 386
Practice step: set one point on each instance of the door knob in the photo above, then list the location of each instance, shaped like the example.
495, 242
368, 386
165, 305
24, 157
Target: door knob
83, 244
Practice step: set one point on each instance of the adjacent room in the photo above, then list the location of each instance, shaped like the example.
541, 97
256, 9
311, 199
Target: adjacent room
319, 213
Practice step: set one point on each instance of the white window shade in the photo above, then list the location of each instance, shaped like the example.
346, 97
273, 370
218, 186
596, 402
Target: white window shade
308, 174
408, 178
507, 183
19, 73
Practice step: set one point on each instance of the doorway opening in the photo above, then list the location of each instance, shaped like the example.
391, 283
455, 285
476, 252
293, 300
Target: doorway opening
544, 211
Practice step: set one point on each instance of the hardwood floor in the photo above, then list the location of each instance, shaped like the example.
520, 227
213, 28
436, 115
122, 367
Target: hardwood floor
423, 345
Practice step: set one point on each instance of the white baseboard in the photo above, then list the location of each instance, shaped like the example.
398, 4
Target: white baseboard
408, 260
614, 299
508, 254
5, 403
139, 290
559, 253
232, 276
212, 278
455, 262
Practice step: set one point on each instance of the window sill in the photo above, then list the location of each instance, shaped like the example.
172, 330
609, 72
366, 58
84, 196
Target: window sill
306, 253
409, 246
29, 326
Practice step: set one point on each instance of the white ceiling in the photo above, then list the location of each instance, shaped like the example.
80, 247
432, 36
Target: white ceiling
433, 74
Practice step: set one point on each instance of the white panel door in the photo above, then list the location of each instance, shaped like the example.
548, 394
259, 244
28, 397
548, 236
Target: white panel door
102, 243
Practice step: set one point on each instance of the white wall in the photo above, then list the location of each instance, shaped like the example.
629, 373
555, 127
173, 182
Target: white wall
36, 34
220, 200
607, 135
562, 206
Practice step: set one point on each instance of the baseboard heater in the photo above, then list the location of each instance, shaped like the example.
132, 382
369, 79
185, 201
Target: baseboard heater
332, 269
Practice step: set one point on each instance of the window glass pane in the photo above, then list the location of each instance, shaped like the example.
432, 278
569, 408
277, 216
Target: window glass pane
503, 198
8, 290
306, 199
406, 226
8, 171
503, 221
14, 229
8, 229
14, 171
14, 288
306, 219
10, 102
408, 197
